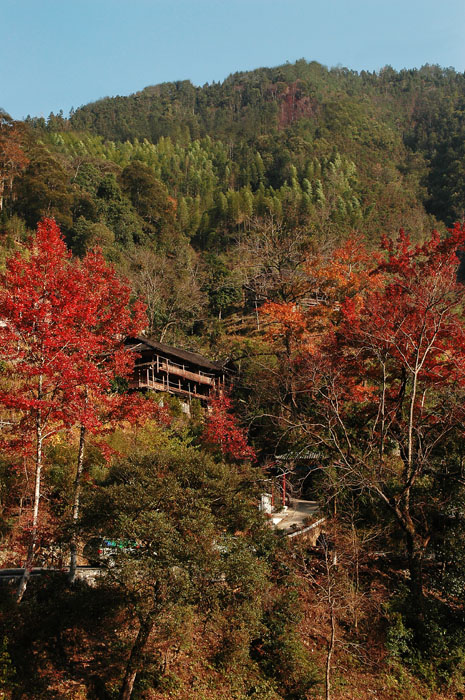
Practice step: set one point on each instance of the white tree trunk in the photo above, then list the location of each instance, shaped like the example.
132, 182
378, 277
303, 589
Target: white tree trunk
76, 505
35, 513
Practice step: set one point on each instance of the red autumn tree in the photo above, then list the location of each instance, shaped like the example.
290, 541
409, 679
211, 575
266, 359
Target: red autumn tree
62, 344
107, 319
382, 393
40, 298
222, 430
402, 349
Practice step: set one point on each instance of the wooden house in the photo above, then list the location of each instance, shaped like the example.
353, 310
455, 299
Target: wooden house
161, 367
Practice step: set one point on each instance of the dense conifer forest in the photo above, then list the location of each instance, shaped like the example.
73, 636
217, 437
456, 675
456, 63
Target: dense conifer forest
303, 226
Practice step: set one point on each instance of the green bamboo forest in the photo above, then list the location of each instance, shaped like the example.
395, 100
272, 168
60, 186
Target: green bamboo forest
283, 518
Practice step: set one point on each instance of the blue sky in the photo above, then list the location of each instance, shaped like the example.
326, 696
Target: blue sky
56, 54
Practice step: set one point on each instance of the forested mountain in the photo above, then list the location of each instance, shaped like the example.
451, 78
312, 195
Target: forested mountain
326, 152
292, 111
281, 222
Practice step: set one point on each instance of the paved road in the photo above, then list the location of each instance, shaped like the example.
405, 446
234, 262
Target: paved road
88, 573
292, 519
296, 515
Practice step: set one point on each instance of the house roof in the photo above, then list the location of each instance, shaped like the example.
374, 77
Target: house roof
184, 355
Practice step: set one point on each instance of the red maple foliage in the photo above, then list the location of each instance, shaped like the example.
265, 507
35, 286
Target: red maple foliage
222, 430
63, 329
383, 387
106, 318
40, 300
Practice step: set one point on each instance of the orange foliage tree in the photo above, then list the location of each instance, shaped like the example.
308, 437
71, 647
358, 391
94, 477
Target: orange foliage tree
378, 368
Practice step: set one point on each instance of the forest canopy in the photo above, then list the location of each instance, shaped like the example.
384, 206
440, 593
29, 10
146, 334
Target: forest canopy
303, 227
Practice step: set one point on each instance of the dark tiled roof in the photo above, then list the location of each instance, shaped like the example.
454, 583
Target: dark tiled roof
185, 355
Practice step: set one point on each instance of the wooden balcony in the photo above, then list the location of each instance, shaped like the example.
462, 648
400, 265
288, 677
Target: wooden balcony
145, 382
181, 372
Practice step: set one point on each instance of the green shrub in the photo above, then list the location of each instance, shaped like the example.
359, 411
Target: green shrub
7, 669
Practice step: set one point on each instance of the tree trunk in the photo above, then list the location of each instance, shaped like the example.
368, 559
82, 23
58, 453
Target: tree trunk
76, 505
415, 552
330, 654
136, 657
416, 547
35, 513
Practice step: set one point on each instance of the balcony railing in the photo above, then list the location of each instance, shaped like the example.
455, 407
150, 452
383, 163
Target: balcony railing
179, 371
